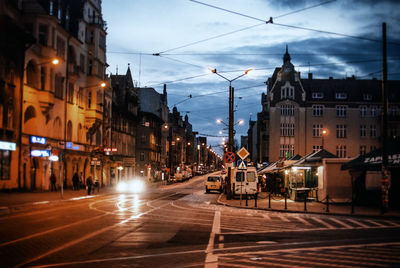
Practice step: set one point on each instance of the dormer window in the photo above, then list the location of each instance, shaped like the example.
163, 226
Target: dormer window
287, 92
367, 97
317, 95
341, 96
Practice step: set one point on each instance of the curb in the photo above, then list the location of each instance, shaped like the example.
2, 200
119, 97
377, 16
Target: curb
309, 212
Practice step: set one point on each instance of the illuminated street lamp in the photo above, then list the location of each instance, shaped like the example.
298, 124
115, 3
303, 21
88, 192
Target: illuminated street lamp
231, 125
324, 132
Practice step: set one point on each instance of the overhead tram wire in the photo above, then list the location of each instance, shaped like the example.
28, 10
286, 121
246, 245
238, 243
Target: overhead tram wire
263, 22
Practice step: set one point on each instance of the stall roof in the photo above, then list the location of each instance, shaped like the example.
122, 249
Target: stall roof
373, 159
314, 157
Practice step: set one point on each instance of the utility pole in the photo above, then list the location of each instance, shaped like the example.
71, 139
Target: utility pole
385, 170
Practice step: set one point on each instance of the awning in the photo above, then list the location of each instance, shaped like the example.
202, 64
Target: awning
373, 160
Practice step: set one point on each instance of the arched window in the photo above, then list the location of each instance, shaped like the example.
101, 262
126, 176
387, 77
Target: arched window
57, 128
29, 113
32, 75
69, 131
79, 133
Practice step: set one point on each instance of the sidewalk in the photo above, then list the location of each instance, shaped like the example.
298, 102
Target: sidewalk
278, 204
12, 201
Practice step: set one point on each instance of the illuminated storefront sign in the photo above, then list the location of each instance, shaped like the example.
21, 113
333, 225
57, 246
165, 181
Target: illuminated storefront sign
71, 145
40, 140
8, 146
40, 153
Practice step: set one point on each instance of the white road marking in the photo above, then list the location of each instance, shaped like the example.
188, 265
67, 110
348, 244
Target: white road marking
358, 223
266, 216
375, 223
283, 218
303, 220
211, 259
341, 223
324, 223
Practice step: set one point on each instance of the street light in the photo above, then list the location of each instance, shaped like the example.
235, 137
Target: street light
324, 132
231, 115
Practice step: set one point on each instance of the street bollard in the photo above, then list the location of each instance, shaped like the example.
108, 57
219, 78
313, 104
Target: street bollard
327, 203
305, 202
255, 200
269, 200
247, 200
285, 201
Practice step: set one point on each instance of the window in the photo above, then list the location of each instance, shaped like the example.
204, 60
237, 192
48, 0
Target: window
5, 160
90, 100
251, 176
373, 111
32, 75
316, 148
363, 130
102, 41
143, 139
60, 47
240, 176
341, 110
59, 86
43, 34
367, 97
290, 94
393, 111
363, 149
372, 148
341, 96
90, 67
69, 131
317, 95
340, 131
82, 63
363, 111
287, 130
42, 78
70, 97
283, 93
29, 113
287, 110
317, 130
80, 100
318, 110
286, 150
142, 156
373, 131
100, 70
341, 151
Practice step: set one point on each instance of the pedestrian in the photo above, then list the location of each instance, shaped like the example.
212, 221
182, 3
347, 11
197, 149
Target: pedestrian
89, 183
53, 182
75, 181
81, 186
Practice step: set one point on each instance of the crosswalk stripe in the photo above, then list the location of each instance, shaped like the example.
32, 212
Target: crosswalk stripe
266, 216
324, 223
375, 223
283, 218
358, 223
303, 220
341, 223
391, 223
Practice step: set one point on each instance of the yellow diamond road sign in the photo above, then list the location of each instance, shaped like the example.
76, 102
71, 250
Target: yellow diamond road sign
243, 153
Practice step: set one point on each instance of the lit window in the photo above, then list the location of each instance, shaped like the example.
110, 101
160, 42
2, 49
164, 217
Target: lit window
341, 110
317, 95
341, 96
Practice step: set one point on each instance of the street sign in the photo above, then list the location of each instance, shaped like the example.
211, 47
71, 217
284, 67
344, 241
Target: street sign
229, 157
243, 153
242, 165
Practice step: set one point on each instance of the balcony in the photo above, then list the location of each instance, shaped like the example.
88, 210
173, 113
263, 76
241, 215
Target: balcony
46, 101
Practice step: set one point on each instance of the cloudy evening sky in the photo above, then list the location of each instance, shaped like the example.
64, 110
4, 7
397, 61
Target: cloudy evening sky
139, 28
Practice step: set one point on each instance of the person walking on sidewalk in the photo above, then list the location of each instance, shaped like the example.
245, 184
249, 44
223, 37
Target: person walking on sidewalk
89, 184
53, 182
75, 181
96, 185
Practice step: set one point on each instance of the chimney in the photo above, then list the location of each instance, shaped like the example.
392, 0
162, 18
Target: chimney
309, 76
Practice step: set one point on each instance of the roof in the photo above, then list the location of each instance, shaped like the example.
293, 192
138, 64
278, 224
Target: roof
373, 160
314, 157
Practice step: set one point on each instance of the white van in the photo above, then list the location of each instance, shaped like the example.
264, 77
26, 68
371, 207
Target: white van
244, 182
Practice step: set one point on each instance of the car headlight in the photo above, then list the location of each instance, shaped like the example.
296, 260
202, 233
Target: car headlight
122, 186
136, 186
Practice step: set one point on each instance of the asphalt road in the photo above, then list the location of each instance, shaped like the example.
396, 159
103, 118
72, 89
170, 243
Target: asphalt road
181, 226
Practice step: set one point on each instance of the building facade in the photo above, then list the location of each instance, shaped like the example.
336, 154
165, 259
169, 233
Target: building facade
62, 104
342, 116
124, 127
